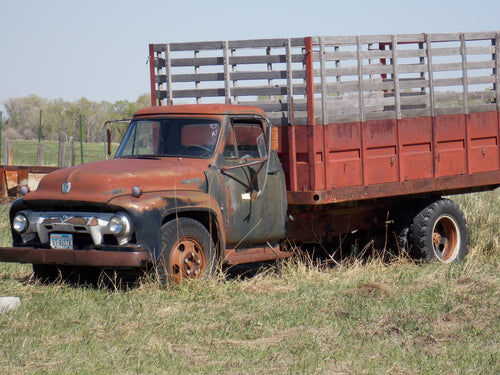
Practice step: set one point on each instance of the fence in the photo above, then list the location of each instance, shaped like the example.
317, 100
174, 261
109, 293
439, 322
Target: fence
26, 162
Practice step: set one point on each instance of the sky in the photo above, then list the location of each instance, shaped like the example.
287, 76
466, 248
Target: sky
98, 49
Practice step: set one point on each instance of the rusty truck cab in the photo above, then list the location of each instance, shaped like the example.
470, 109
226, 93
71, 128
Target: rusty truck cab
187, 183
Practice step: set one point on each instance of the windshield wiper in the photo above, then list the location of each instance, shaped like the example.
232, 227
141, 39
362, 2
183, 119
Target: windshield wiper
139, 157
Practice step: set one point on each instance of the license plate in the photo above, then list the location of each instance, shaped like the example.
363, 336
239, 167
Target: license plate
61, 241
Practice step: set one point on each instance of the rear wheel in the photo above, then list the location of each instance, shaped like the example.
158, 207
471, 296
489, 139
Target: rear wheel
187, 252
439, 232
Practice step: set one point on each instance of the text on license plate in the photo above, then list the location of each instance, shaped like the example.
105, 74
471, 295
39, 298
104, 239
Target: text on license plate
61, 241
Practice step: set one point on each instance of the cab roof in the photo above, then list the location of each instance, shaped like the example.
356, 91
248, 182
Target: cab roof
201, 109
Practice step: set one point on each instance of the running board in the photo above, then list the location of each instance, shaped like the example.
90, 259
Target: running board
254, 254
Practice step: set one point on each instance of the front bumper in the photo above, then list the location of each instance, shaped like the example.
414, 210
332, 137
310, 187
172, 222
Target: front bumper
91, 258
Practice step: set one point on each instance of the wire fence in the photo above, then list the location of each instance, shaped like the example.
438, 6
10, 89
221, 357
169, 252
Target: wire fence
52, 153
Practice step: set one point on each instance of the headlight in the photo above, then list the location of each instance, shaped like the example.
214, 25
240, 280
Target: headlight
20, 223
119, 225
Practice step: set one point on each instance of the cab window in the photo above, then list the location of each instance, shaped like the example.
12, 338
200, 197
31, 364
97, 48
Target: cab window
246, 141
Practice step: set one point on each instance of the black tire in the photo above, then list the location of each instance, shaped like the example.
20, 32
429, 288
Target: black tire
187, 252
439, 232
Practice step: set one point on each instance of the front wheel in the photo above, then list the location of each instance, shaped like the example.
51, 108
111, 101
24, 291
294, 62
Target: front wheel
439, 232
187, 251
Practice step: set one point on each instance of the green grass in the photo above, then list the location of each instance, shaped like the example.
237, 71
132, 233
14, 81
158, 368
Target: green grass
25, 152
359, 318
371, 319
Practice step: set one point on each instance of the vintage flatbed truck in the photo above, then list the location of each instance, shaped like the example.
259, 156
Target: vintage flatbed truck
248, 143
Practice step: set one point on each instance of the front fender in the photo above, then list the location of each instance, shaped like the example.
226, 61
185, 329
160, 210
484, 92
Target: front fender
151, 210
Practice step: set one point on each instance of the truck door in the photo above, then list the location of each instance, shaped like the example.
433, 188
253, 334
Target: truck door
254, 217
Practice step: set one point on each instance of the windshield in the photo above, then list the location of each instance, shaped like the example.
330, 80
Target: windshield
181, 137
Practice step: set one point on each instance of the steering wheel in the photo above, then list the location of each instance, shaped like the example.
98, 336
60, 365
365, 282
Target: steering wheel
205, 149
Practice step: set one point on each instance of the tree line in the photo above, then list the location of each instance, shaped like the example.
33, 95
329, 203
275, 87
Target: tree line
33, 117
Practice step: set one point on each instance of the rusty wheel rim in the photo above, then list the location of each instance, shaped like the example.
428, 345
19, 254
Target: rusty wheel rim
187, 260
446, 238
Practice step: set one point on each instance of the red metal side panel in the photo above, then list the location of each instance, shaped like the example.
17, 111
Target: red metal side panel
415, 136
317, 156
349, 161
450, 145
380, 151
284, 152
302, 157
343, 148
294, 157
483, 140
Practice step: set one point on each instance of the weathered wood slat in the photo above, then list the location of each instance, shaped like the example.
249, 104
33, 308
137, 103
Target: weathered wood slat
465, 83
447, 96
352, 101
443, 111
457, 66
480, 50
441, 82
356, 77
289, 85
379, 115
445, 37
233, 60
197, 46
219, 45
482, 95
496, 42
414, 100
413, 68
450, 51
405, 113
480, 35
276, 105
238, 76
345, 71
432, 99
416, 83
337, 40
411, 38
168, 70
339, 55
482, 107
481, 80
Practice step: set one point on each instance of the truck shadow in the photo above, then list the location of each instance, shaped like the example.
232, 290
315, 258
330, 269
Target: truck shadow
324, 256
115, 280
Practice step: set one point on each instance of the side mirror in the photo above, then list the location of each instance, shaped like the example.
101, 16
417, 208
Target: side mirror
108, 141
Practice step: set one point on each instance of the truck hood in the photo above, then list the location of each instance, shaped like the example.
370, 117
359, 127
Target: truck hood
104, 180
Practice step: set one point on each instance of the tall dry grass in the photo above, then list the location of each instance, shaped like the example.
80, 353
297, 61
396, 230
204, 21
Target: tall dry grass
482, 211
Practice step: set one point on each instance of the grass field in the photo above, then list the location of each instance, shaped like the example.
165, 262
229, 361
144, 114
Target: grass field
370, 317
25, 152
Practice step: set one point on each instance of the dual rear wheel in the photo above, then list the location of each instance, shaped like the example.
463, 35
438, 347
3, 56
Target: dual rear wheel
439, 232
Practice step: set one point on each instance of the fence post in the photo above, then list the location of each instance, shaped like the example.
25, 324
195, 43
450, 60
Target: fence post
69, 153
62, 144
40, 128
9, 152
81, 141
72, 155
6, 153
39, 157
